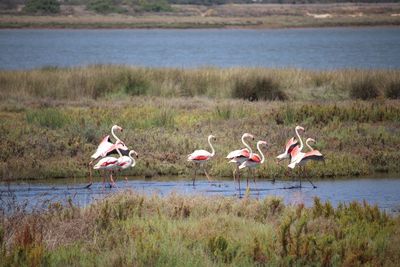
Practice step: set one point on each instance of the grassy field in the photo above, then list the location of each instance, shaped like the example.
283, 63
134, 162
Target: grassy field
136, 230
219, 16
51, 119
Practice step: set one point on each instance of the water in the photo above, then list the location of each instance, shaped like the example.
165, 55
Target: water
324, 48
383, 192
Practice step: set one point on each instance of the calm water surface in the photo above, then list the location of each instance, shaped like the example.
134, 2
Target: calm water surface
383, 192
325, 48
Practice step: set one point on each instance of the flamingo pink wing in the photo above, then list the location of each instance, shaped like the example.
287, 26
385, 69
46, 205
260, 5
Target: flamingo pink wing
255, 158
200, 157
295, 151
313, 154
107, 163
290, 145
103, 147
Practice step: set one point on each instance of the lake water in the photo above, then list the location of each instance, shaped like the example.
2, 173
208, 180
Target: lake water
321, 48
383, 192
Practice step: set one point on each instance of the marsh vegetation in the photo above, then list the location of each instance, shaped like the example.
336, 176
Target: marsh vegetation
140, 230
52, 119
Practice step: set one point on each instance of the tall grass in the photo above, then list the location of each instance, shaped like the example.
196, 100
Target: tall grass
134, 229
103, 81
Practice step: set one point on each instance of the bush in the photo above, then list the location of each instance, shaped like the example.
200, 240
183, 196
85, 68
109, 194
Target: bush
256, 88
393, 90
364, 88
155, 6
104, 6
42, 6
136, 85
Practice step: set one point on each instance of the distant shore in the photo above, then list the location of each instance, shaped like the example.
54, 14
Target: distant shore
246, 16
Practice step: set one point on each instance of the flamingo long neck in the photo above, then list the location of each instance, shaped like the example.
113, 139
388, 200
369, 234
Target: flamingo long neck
247, 146
133, 160
308, 145
113, 134
301, 141
261, 153
119, 152
212, 148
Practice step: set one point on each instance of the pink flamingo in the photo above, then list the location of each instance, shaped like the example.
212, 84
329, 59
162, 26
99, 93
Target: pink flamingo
106, 147
201, 156
290, 145
108, 164
301, 158
239, 156
254, 161
125, 162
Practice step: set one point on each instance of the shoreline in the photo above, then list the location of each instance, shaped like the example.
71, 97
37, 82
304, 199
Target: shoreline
226, 16
197, 27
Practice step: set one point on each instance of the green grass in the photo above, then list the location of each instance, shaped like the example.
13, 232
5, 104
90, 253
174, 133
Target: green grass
133, 229
357, 137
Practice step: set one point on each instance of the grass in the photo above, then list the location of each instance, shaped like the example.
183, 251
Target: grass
218, 16
52, 119
106, 81
133, 229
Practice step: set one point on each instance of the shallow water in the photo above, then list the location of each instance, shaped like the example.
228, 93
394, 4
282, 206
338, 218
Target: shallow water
319, 48
384, 192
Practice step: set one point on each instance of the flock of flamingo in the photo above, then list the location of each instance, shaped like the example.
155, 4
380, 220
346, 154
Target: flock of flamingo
242, 158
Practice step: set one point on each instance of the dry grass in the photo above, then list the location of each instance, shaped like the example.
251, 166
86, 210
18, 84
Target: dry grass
106, 81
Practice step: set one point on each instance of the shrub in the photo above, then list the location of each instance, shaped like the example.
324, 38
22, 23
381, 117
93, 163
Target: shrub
42, 6
104, 6
364, 88
393, 90
258, 88
155, 6
136, 85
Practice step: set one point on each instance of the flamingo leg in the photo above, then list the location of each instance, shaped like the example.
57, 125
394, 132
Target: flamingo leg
112, 181
308, 178
208, 177
247, 182
300, 176
90, 174
238, 178
194, 177
255, 184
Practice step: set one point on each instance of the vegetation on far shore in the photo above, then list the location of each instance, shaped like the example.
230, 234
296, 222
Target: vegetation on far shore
164, 14
51, 119
138, 230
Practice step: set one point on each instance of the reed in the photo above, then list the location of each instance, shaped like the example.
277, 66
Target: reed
106, 81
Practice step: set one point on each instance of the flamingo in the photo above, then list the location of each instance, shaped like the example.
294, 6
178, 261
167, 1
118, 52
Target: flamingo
296, 150
109, 164
302, 158
106, 148
254, 161
125, 162
201, 156
239, 156
291, 143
